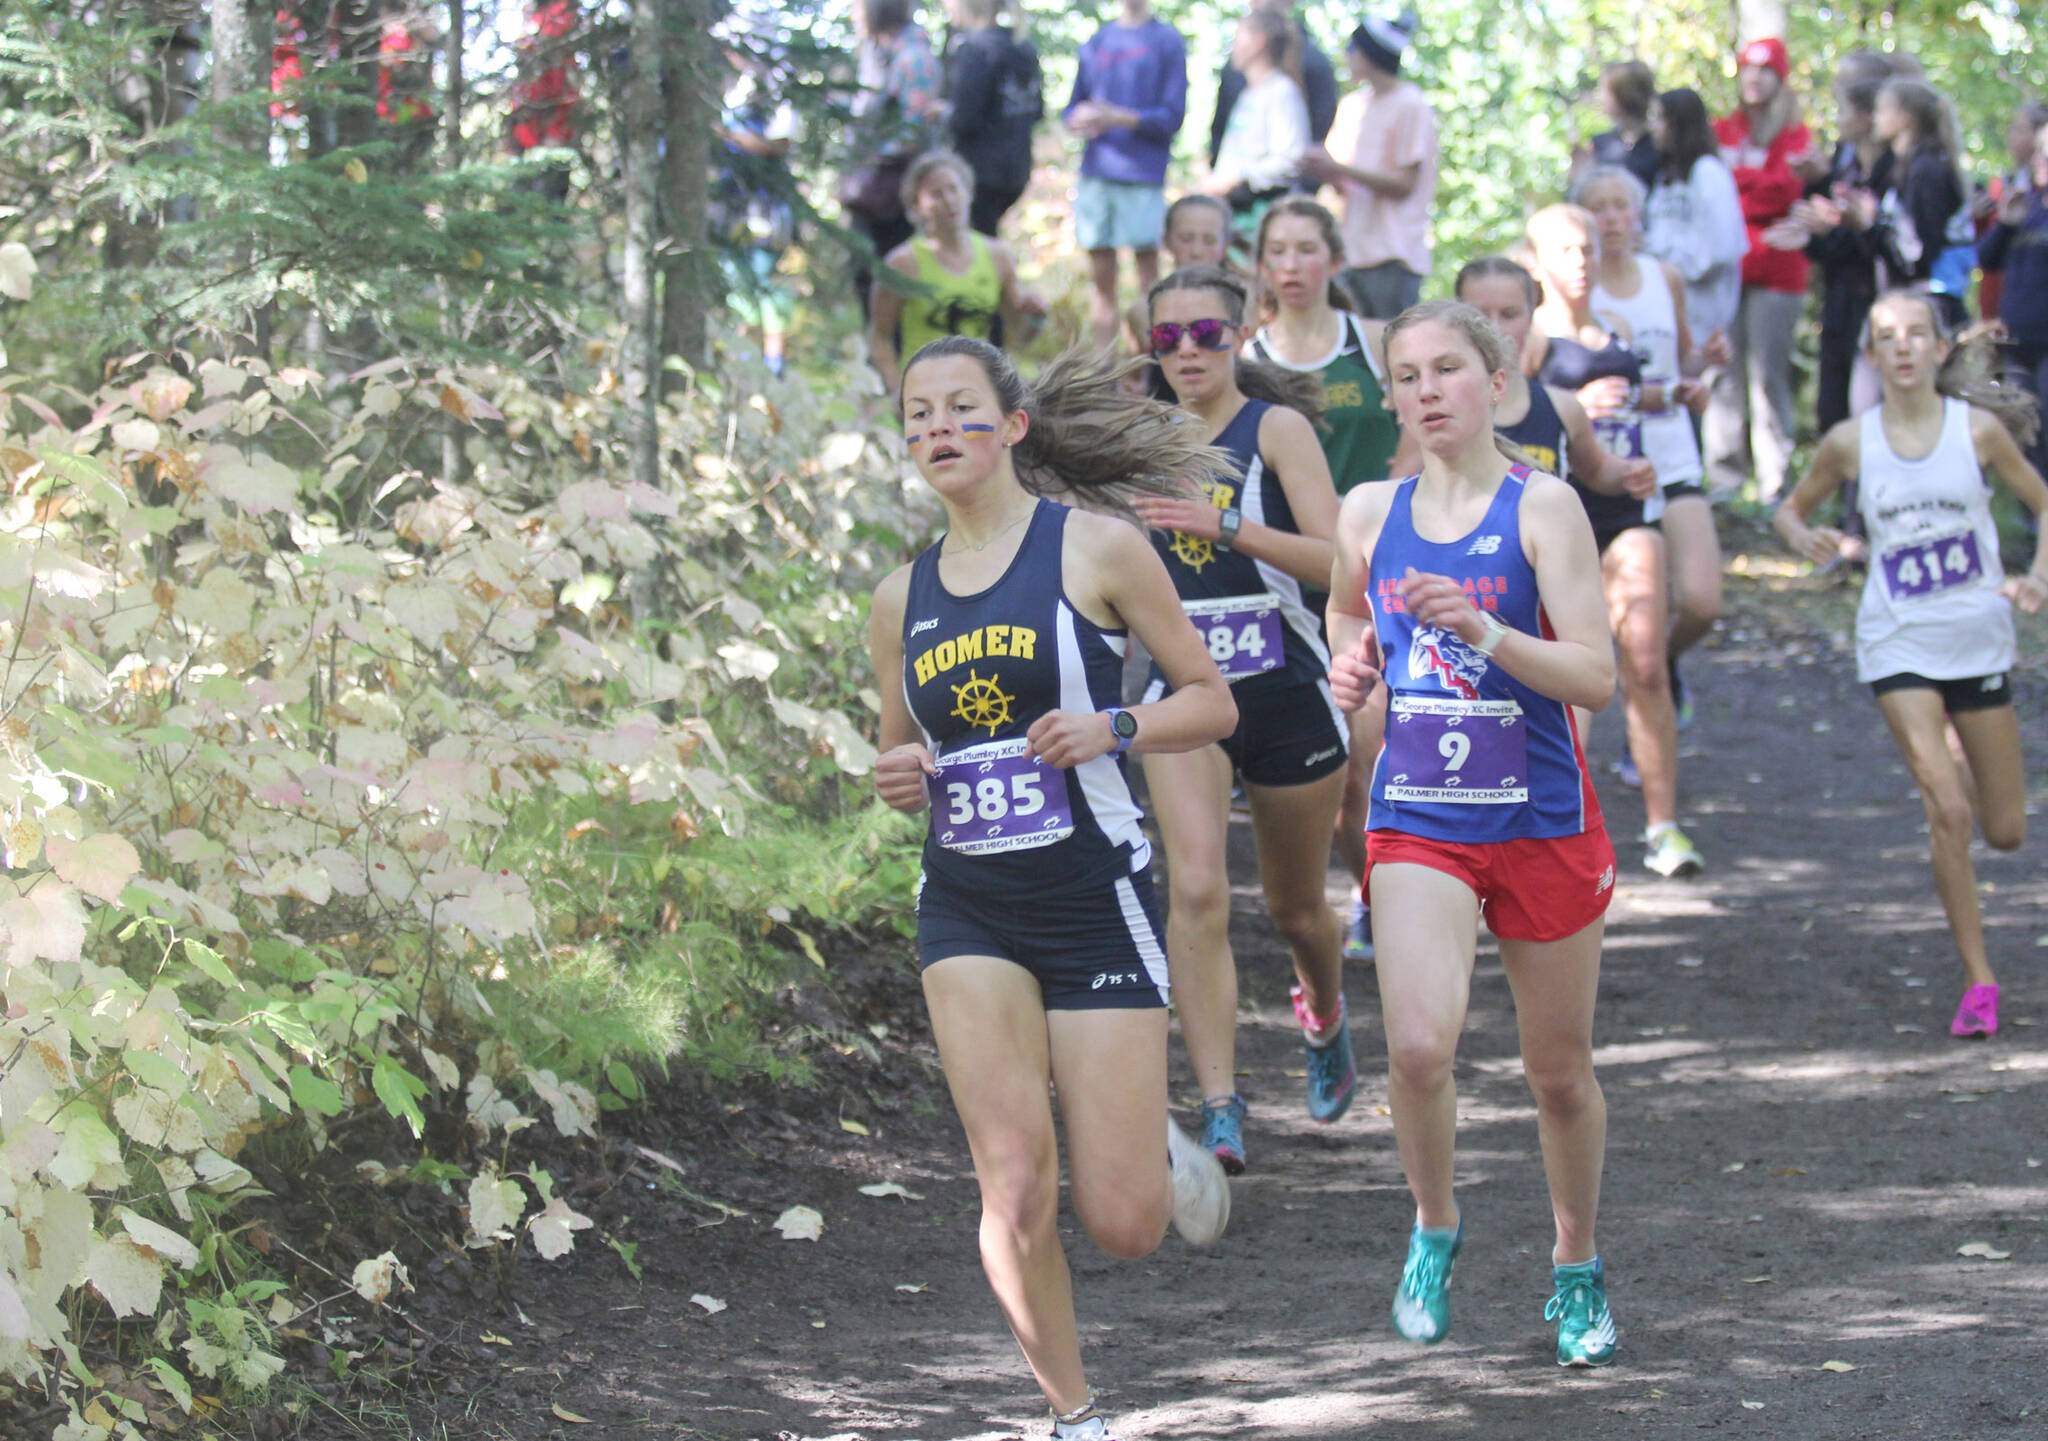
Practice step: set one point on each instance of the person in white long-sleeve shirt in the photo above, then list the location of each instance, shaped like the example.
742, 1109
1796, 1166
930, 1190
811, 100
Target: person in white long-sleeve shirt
1268, 131
1693, 218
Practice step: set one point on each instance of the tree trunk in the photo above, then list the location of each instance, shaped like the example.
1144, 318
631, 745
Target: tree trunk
641, 147
687, 263
241, 56
454, 464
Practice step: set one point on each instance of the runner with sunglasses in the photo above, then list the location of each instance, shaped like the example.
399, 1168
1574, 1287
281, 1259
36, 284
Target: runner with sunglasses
1241, 559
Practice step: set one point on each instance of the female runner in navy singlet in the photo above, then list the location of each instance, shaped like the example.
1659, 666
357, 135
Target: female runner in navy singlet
1240, 557
999, 654
1479, 582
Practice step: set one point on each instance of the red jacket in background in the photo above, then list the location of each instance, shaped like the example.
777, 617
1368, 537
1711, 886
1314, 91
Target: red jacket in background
1768, 189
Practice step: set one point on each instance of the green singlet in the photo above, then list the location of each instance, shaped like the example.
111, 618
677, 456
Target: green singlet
1360, 433
953, 304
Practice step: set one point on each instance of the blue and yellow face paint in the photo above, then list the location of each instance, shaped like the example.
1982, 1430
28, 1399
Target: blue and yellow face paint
974, 428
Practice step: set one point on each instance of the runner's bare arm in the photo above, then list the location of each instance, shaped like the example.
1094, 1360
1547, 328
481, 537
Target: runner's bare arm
905, 760
1353, 674
1835, 460
1112, 565
2000, 454
1600, 468
1288, 445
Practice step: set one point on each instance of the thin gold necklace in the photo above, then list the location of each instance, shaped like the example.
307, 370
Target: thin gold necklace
992, 536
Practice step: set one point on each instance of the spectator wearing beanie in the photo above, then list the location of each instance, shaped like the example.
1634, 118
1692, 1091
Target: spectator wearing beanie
1749, 409
1383, 158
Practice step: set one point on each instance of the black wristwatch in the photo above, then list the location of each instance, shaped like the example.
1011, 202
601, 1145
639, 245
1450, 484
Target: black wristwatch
1124, 726
1227, 526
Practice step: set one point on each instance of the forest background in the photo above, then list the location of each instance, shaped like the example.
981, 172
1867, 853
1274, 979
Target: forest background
434, 698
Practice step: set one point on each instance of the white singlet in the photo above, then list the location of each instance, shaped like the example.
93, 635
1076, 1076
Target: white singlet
1653, 322
1931, 605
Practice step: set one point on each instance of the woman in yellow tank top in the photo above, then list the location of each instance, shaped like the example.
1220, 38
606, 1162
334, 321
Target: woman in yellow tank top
961, 282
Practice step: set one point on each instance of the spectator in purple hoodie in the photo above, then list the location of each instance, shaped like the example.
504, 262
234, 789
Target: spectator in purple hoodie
1130, 96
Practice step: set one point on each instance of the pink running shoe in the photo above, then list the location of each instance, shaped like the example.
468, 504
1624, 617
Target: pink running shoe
1977, 1016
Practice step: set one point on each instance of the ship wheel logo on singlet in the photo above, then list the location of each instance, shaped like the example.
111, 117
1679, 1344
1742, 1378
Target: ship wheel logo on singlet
981, 703
1192, 551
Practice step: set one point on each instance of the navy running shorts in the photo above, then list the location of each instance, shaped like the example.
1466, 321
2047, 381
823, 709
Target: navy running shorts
1287, 735
1977, 692
1093, 947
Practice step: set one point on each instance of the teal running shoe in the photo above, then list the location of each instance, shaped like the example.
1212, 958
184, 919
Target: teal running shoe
1681, 697
1332, 1073
1585, 1327
1422, 1306
1223, 1131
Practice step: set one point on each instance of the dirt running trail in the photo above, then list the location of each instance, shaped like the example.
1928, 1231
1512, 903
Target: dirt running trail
1797, 1149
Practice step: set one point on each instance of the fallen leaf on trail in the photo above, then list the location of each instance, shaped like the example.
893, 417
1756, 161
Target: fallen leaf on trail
711, 1304
1984, 1249
1294, 1075
1756, 1280
890, 1188
1789, 1171
1732, 1166
853, 1128
1836, 1366
661, 1160
375, 1278
1907, 1029
919, 1289
800, 1223
1752, 1405
492, 1338
2032, 1164
562, 1413
817, 1325
1655, 1394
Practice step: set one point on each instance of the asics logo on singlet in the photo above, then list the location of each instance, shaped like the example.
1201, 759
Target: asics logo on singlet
1484, 545
1441, 654
924, 625
1321, 755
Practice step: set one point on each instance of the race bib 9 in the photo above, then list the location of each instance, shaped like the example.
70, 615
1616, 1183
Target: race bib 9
1448, 750
992, 797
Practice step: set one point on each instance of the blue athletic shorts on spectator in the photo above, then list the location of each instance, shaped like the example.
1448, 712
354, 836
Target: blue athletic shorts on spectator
1119, 214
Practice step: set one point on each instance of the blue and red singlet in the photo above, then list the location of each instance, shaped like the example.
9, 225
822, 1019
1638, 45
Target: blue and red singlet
1472, 755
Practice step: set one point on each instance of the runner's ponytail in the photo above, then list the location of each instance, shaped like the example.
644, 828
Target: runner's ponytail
1971, 372
1091, 441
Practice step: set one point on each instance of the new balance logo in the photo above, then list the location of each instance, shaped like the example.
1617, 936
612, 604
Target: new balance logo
1321, 755
1606, 880
1484, 545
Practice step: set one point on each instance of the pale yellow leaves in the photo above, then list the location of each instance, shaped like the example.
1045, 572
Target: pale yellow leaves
552, 1227
100, 865
45, 922
711, 1304
573, 1106
375, 1279
800, 1223
495, 1206
17, 271
1983, 1251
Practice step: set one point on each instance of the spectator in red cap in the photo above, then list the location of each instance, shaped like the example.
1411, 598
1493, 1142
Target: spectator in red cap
1749, 409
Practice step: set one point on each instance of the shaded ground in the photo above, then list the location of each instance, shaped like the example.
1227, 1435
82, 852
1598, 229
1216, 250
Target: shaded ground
1797, 1151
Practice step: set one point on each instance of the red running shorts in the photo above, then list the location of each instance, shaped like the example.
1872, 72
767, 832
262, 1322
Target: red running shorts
1529, 890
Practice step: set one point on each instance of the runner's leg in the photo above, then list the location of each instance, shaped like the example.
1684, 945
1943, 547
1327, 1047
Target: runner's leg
1102, 307
1633, 569
1109, 1069
1555, 983
1292, 825
1997, 775
1695, 560
1427, 925
992, 1036
1190, 795
1918, 725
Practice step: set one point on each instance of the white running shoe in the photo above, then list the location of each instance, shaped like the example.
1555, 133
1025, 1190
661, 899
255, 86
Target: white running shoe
1092, 1429
1201, 1192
